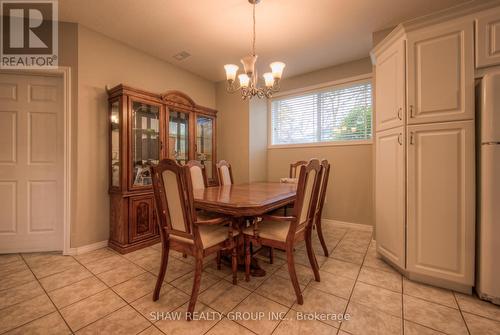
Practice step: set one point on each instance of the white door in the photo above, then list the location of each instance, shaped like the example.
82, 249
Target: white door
390, 87
441, 73
31, 163
390, 195
441, 206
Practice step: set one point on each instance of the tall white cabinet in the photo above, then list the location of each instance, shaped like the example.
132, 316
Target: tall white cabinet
390, 194
424, 151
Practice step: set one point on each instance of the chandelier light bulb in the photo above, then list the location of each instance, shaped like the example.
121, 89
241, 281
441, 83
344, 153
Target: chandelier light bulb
244, 80
269, 79
277, 69
231, 71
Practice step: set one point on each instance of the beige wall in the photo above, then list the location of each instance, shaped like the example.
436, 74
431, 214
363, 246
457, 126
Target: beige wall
68, 57
349, 195
258, 140
346, 70
233, 141
103, 61
242, 135
350, 189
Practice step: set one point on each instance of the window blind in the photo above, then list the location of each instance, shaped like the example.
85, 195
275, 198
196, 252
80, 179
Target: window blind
338, 113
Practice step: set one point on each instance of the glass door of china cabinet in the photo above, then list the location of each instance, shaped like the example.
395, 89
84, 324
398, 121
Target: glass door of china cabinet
115, 125
178, 136
145, 140
205, 143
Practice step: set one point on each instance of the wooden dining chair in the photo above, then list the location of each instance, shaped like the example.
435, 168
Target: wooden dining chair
325, 167
225, 173
283, 210
198, 174
199, 181
283, 232
182, 229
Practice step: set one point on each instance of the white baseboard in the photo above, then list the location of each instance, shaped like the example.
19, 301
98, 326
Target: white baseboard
349, 225
87, 248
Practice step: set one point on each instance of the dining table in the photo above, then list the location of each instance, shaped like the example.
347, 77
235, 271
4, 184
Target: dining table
245, 202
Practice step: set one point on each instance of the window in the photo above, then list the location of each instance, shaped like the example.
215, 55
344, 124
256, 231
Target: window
335, 114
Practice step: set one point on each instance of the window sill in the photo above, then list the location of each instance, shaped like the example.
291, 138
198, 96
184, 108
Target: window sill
320, 144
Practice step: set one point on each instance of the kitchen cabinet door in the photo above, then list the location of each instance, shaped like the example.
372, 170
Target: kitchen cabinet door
488, 38
441, 73
390, 87
390, 195
441, 206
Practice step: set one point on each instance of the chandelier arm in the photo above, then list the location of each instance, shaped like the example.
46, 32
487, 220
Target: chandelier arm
276, 86
231, 87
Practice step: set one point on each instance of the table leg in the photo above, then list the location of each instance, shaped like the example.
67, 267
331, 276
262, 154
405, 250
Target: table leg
255, 269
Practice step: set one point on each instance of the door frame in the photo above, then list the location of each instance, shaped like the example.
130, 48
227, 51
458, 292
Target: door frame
64, 72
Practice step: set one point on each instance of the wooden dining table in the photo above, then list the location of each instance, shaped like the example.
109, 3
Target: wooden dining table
245, 200
242, 201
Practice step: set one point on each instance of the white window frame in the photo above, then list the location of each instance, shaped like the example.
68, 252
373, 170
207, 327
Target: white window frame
310, 89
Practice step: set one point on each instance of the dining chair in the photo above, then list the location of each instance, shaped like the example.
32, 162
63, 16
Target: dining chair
325, 167
182, 229
198, 174
283, 232
225, 173
282, 211
199, 181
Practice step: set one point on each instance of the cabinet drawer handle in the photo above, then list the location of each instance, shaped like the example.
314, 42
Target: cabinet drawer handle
412, 138
411, 111
400, 116
400, 139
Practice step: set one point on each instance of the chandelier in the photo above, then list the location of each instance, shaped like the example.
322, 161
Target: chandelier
248, 81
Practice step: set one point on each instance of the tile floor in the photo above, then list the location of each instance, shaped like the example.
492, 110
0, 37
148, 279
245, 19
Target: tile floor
102, 292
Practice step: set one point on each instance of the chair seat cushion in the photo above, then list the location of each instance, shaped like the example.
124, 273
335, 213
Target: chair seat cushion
210, 235
271, 230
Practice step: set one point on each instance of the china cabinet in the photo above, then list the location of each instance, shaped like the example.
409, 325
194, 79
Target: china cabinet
143, 129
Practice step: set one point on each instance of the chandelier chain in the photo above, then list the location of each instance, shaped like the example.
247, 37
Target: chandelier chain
253, 42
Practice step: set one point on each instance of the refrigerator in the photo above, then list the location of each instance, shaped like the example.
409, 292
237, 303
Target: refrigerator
488, 237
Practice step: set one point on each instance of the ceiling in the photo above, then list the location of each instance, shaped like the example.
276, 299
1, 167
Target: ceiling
307, 35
